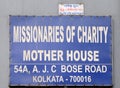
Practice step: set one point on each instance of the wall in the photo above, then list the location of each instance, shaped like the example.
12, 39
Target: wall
50, 7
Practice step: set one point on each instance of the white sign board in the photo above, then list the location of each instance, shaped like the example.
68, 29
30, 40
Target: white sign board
71, 9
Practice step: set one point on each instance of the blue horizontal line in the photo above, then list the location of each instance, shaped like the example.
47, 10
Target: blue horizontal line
61, 63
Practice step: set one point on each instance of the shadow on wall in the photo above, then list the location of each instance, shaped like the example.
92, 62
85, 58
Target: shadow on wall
62, 87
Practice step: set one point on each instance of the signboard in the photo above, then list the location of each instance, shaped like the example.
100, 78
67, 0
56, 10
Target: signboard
60, 50
71, 9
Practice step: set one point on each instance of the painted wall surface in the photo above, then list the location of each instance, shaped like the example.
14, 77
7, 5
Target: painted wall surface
50, 8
